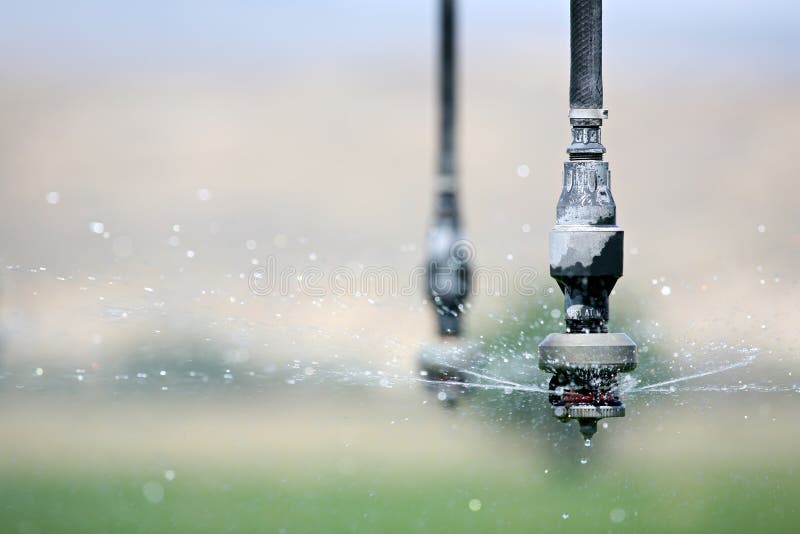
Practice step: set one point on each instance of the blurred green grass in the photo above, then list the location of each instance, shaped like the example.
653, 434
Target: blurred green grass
625, 500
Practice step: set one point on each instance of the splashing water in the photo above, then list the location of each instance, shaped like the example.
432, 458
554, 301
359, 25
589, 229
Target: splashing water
298, 371
743, 363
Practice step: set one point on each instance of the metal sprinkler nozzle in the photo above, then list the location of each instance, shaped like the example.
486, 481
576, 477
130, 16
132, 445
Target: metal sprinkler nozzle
586, 248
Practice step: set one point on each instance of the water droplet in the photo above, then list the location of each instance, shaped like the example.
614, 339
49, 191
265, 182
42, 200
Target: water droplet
617, 515
53, 197
190, 253
555, 313
526, 228
475, 505
564, 516
523, 171
203, 194
587, 443
666, 290
169, 474
250, 244
39, 371
761, 228
442, 396
584, 461
97, 227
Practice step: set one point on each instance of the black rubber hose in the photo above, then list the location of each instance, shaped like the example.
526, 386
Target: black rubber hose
586, 44
447, 87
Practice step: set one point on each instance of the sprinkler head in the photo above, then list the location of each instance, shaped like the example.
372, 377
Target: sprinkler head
442, 366
585, 371
586, 248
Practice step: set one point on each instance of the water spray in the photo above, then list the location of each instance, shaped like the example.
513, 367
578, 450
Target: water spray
447, 265
586, 248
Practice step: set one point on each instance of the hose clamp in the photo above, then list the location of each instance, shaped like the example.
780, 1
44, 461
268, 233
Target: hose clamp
600, 114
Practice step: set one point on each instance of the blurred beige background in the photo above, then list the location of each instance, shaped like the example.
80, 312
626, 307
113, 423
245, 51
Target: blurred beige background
335, 165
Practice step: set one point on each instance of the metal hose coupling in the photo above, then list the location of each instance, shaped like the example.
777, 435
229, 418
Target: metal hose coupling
586, 248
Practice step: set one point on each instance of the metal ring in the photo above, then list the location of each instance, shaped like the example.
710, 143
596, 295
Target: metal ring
575, 113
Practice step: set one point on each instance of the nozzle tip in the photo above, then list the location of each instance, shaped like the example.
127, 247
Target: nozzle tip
588, 427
